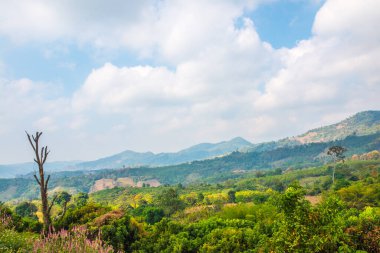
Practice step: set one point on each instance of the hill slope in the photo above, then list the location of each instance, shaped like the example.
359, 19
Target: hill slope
360, 124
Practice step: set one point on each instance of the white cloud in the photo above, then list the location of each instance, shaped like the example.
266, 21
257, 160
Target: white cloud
336, 66
96, 22
208, 95
112, 89
47, 123
214, 80
26, 105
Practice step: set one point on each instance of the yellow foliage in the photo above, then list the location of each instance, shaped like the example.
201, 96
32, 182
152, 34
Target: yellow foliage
40, 216
217, 197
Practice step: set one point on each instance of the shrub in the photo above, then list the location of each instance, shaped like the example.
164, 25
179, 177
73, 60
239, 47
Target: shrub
10, 240
72, 241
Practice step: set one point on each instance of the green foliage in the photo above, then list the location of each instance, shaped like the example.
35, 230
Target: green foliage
361, 194
119, 232
64, 197
169, 201
250, 214
12, 241
81, 199
153, 215
231, 196
81, 215
252, 196
364, 230
304, 228
26, 209
29, 224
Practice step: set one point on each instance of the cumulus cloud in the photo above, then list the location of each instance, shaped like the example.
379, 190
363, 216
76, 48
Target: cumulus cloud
26, 105
336, 67
209, 94
214, 78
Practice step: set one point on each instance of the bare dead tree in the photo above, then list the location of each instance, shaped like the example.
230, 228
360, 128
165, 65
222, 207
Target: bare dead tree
40, 158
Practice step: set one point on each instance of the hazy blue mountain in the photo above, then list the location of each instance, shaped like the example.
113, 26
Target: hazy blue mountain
201, 151
234, 165
130, 158
14, 170
359, 134
360, 124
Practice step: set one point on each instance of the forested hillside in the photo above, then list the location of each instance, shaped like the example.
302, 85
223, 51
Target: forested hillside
299, 210
360, 124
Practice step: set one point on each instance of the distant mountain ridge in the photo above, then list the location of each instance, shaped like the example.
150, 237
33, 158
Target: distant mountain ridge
12, 170
201, 151
231, 166
272, 155
130, 158
360, 124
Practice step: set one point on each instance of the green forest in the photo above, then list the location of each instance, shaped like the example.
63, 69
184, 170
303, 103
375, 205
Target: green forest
329, 208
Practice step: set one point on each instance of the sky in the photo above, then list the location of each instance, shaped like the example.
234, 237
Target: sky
99, 77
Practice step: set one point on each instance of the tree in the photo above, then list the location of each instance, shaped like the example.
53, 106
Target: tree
26, 209
40, 159
337, 153
169, 201
231, 196
153, 214
62, 199
81, 199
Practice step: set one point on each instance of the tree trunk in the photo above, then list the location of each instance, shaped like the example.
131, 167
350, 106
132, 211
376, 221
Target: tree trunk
44, 200
40, 159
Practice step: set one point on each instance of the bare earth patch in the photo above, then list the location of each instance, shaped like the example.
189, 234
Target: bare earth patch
313, 199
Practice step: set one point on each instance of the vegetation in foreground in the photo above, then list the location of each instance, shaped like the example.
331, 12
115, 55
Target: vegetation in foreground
269, 211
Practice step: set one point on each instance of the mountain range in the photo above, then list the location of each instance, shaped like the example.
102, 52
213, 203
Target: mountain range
130, 158
359, 134
360, 124
201, 151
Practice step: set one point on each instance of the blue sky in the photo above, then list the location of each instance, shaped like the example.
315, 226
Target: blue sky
100, 77
285, 23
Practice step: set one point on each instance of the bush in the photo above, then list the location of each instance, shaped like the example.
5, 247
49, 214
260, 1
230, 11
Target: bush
11, 240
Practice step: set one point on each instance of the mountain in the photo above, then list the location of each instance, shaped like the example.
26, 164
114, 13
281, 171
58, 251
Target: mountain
272, 155
235, 165
360, 124
130, 158
14, 170
201, 151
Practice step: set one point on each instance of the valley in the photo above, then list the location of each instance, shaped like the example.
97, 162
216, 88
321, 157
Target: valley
260, 198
